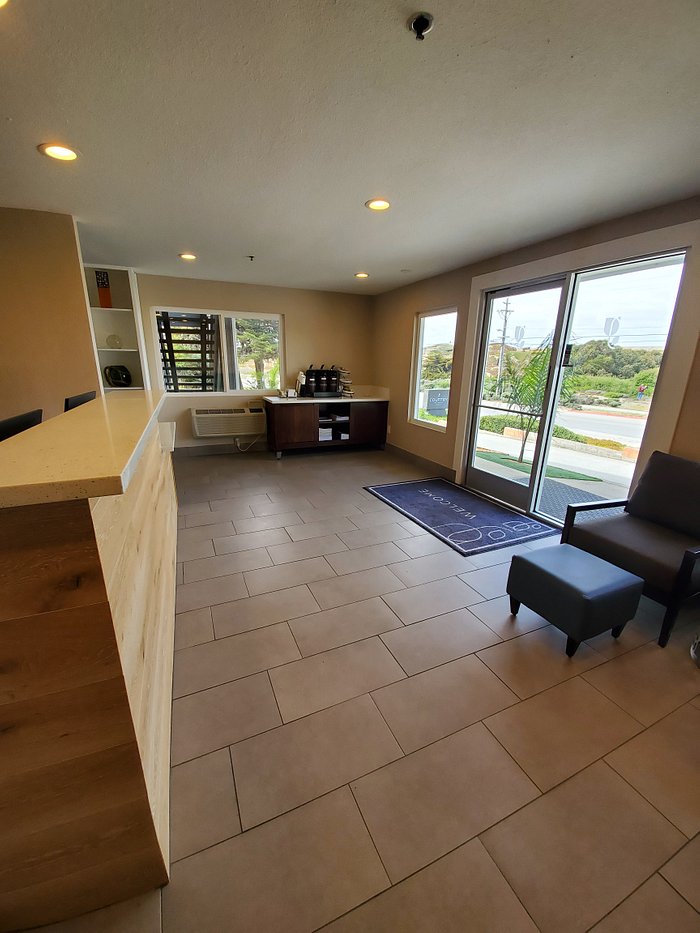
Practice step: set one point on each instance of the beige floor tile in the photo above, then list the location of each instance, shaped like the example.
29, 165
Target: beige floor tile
579, 850
244, 492
431, 567
366, 537
193, 628
307, 758
188, 536
683, 872
221, 716
283, 576
191, 508
209, 567
310, 547
663, 764
426, 804
335, 627
633, 635
424, 545
497, 615
194, 550
649, 682
561, 731
536, 661
210, 592
137, 915
301, 532
501, 555
372, 519
255, 539
463, 892
413, 527
281, 504
543, 542
259, 611
364, 558
226, 659
238, 508
264, 523
426, 644
430, 599
489, 581
322, 680
291, 875
310, 515
353, 587
441, 701
203, 807
653, 907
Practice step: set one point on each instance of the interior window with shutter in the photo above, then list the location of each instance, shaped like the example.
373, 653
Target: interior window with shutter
190, 350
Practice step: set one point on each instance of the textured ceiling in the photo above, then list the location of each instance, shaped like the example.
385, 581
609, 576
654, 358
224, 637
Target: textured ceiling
261, 128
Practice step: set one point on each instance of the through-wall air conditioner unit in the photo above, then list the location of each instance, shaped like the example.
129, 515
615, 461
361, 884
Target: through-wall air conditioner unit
247, 420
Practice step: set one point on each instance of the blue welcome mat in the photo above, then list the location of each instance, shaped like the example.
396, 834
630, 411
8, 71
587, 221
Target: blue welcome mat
466, 522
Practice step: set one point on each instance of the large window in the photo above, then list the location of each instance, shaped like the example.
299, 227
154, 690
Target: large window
432, 367
215, 352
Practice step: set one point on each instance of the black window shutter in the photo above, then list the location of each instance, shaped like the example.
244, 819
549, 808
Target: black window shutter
190, 351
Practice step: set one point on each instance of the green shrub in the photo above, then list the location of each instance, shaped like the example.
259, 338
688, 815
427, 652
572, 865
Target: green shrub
565, 434
498, 423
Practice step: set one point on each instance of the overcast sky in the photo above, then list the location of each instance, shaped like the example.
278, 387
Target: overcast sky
642, 295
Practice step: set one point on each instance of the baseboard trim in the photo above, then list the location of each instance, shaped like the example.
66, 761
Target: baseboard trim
434, 469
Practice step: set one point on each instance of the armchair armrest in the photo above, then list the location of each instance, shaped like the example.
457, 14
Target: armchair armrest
576, 507
685, 572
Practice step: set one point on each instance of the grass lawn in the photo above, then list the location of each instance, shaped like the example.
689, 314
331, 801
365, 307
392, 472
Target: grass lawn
526, 466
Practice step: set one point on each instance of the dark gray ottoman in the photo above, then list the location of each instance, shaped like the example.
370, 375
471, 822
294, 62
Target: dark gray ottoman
579, 593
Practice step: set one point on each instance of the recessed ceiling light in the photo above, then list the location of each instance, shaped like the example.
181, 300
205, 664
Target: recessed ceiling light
362, 275
188, 257
3, 3
54, 151
378, 204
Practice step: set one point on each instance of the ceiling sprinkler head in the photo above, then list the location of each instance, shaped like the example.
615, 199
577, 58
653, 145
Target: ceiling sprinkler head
420, 24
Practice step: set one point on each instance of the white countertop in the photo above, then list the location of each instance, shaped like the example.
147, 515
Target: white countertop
276, 400
90, 451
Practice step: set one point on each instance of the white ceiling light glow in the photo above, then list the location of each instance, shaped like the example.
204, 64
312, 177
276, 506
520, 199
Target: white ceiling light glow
56, 151
378, 204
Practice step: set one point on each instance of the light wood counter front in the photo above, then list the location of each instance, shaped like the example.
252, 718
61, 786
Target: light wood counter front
87, 589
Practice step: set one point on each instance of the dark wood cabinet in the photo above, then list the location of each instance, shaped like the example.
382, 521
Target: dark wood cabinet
293, 425
368, 422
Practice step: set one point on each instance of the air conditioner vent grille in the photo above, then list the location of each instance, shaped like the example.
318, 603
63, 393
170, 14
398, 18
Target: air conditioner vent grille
228, 422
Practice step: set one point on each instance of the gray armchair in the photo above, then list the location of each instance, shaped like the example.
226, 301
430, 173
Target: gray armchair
657, 537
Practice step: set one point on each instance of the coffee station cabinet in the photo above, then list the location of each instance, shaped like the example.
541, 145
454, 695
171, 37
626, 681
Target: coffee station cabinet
298, 423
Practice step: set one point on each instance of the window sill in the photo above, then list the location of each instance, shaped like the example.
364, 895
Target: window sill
431, 426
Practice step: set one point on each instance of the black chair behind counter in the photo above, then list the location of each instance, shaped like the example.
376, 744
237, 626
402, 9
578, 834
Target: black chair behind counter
75, 400
18, 423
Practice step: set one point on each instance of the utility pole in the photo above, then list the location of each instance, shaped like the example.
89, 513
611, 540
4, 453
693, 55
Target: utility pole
505, 313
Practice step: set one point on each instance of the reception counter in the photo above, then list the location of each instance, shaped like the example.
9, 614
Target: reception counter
87, 589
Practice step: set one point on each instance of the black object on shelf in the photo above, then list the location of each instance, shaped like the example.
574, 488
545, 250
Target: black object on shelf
322, 383
18, 423
118, 377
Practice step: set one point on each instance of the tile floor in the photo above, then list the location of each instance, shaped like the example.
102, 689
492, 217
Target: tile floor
365, 740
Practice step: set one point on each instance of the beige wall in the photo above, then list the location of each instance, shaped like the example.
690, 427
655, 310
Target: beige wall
686, 440
395, 313
47, 349
319, 327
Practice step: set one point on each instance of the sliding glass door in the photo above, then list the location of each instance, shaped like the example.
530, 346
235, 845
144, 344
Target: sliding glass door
519, 340
567, 372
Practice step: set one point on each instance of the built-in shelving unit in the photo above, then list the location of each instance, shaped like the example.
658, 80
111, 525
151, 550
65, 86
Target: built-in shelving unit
119, 323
